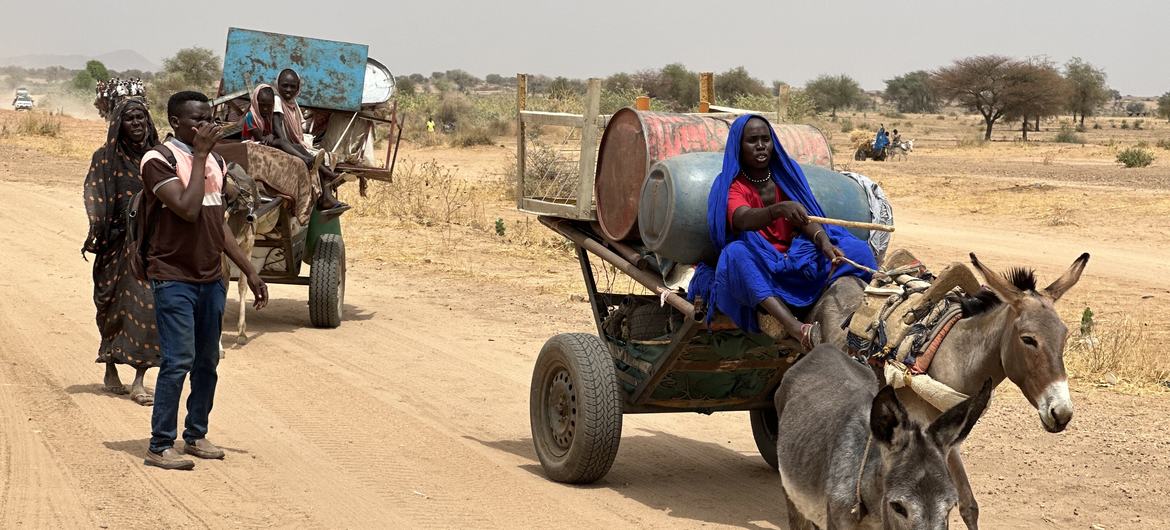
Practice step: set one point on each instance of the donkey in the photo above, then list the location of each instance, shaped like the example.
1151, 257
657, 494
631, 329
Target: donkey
850, 455
242, 222
901, 149
1010, 331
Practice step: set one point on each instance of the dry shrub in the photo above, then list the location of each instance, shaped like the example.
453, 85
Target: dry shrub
548, 173
471, 137
428, 194
971, 142
1164, 143
1060, 216
1120, 349
38, 124
1068, 136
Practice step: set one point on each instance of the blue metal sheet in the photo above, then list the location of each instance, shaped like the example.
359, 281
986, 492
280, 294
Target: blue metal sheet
332, 73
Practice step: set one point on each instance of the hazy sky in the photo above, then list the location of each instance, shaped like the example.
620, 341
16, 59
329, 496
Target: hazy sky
775, 40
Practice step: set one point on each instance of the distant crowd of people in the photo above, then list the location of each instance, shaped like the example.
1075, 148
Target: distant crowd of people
114, 90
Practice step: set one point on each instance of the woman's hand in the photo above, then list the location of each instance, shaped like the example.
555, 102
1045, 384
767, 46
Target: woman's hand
826, 247
790, 211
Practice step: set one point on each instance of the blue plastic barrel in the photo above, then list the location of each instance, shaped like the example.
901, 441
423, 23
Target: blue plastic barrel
672, 213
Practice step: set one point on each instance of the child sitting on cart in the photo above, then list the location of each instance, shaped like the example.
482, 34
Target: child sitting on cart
278, 123
772, 259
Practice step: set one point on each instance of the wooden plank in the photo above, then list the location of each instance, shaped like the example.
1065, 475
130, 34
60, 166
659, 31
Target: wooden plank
521, 150
539, 207
555, 119
589, 140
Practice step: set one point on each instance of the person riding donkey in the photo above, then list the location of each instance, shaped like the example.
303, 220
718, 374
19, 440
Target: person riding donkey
288, 131
772, 257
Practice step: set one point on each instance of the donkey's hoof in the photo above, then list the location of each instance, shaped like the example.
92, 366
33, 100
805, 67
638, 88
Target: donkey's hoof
241, 339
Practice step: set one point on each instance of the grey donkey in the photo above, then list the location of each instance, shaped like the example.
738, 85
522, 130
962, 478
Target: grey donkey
852, 457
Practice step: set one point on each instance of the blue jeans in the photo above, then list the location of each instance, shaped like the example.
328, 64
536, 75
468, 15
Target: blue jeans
190, 319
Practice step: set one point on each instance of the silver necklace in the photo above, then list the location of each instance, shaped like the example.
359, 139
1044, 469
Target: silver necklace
758, 181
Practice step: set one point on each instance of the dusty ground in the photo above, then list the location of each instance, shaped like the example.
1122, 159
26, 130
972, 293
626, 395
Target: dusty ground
415, 412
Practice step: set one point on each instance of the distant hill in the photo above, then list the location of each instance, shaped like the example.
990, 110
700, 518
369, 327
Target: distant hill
115, 60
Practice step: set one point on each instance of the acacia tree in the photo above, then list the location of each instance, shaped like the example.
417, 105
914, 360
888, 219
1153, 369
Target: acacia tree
982, 83
1087, 88
912, 92
1037, 90
1164, 106
833, 92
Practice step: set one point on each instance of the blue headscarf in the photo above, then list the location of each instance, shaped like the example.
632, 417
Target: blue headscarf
754, 270
786, 173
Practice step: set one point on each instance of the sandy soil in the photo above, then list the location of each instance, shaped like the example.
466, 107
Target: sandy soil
415, 412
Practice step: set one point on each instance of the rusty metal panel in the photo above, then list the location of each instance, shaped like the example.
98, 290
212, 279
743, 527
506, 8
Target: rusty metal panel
332, 73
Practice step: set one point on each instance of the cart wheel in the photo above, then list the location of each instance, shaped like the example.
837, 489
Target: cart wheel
327, 282
859, 155
575, 408
765, 425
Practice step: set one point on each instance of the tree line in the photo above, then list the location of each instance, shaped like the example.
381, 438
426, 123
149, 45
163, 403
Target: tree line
999, 88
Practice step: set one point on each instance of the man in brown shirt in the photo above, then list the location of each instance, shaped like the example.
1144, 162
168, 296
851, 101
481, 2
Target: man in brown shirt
184, 195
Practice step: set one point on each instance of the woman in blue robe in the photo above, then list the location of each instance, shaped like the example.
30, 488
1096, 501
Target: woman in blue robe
772, 258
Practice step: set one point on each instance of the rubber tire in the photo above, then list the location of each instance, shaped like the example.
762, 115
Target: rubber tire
764, 429
648, 321
598, 415
327, 282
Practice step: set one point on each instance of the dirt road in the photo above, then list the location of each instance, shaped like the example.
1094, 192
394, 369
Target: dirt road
415, 412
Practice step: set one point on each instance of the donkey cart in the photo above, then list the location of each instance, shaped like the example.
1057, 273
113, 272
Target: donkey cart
349, 97
636, 205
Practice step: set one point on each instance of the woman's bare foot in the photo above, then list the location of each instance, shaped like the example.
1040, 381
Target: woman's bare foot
138, 391
113, 383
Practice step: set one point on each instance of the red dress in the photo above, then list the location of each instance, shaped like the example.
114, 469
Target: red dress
744, 193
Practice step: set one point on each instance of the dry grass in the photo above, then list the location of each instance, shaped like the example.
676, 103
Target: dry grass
1118, 352
35, 123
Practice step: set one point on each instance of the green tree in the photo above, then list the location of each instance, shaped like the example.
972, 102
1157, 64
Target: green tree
462, 79
912, 92
832, 92
1164, 106
97, 70
84, 81
494, 79
619, 82
405, 86
738, 82
1087, 88
1135, 108
196, 68
674, 84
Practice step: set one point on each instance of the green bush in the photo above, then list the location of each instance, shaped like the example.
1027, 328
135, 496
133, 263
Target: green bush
1067, 136
1096, 125
846, 125
1124, 124
1135, 157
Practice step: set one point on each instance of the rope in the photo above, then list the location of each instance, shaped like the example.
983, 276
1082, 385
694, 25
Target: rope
858, 506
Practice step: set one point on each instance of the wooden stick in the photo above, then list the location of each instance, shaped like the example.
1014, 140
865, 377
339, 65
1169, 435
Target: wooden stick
851, 224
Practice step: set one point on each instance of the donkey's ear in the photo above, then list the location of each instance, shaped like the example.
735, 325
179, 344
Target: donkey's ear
953, 426
1068, 279
886, 415
997, 282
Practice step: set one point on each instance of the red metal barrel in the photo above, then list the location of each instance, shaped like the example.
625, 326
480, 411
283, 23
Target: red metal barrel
634, 140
